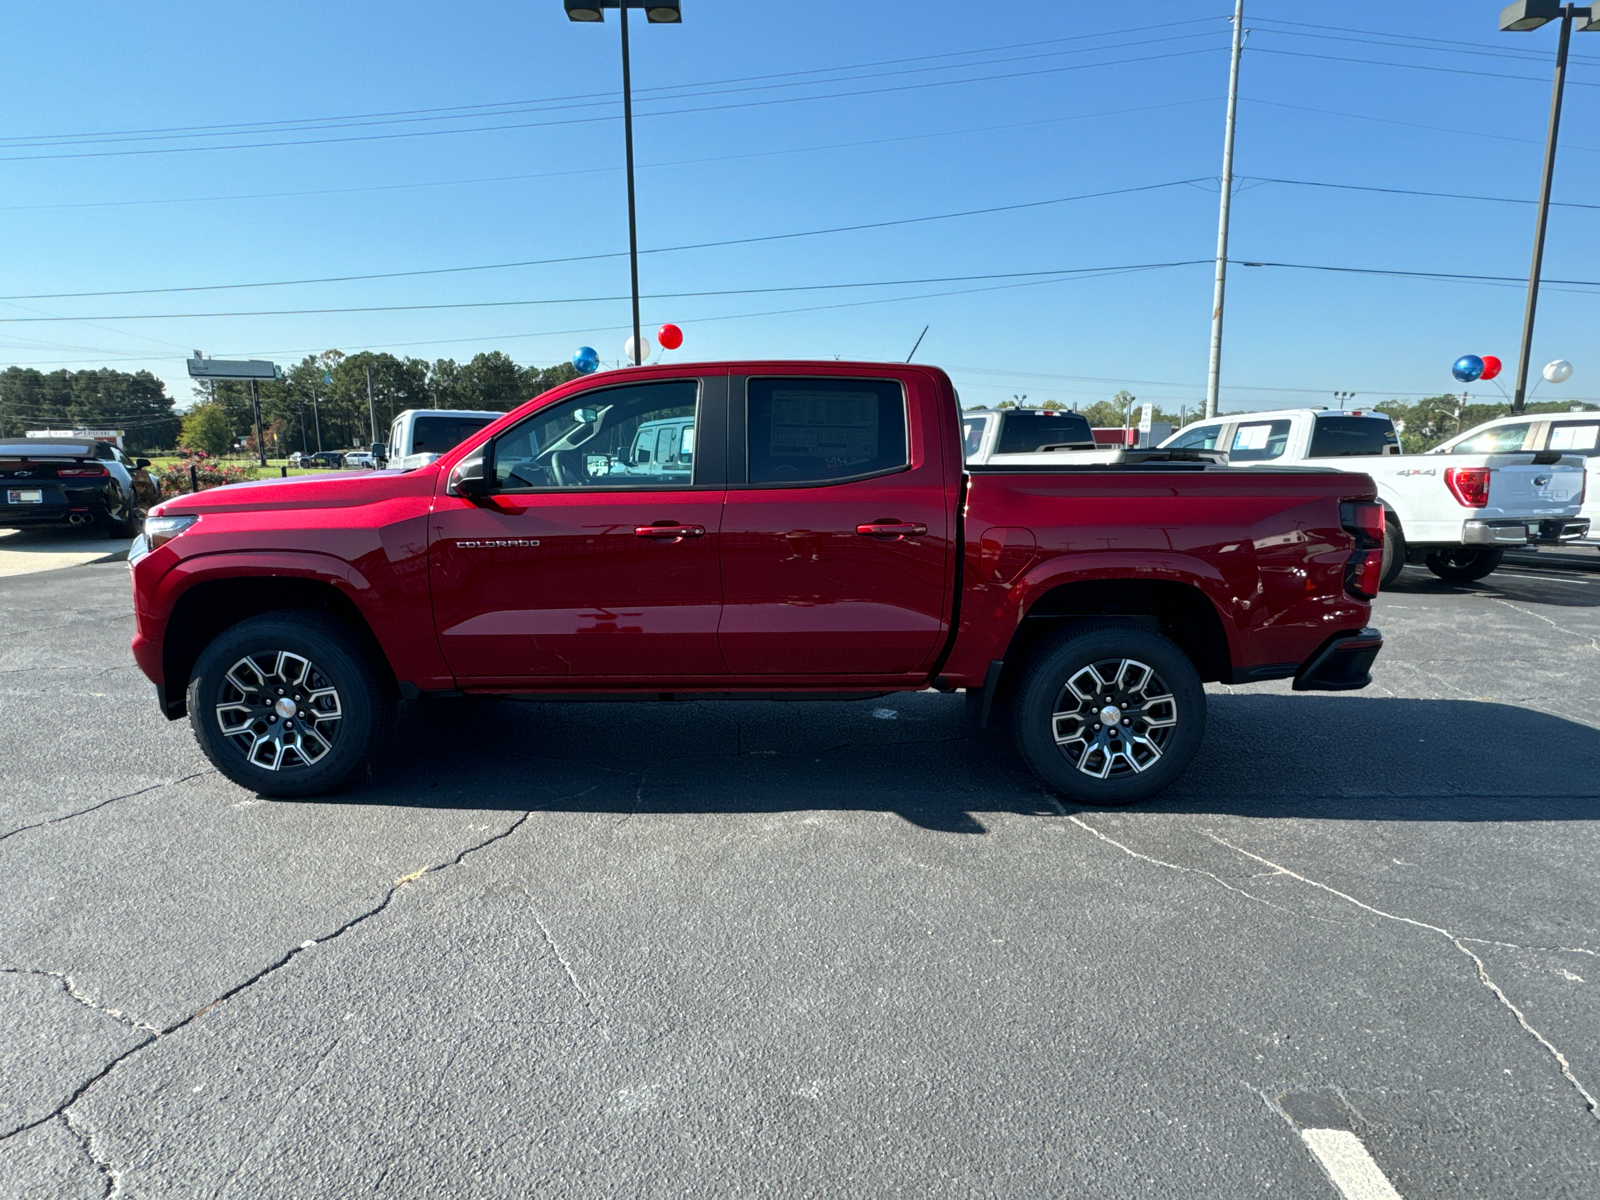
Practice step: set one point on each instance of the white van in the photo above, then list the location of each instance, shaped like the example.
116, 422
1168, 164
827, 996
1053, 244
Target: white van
420, 436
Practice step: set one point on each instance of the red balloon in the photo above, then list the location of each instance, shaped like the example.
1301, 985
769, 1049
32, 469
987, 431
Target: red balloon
1492, 366
670, 337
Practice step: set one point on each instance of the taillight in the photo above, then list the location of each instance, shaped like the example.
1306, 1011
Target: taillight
1364, 518
1469, 485
1362, 573
82, 472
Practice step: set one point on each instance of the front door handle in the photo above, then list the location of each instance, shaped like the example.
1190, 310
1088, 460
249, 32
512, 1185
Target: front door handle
891, 530
669, 533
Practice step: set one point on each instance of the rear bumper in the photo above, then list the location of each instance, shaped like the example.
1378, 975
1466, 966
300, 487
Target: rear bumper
1559, 531
1498, 533
1343, 664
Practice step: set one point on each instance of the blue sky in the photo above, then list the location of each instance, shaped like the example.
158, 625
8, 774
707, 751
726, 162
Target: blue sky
767, 119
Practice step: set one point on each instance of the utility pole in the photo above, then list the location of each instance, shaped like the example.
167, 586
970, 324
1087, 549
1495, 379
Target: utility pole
372, 412
255, 406
1520, 397
1214, 379
633, 224
316, 415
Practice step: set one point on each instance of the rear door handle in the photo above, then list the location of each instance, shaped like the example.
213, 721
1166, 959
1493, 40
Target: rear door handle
890, 530
668, 532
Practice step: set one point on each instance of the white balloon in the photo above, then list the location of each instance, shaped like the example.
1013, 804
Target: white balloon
644, 346
1558, 372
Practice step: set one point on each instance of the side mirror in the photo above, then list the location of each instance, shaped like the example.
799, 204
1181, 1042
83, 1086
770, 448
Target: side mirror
467, 478
141, 463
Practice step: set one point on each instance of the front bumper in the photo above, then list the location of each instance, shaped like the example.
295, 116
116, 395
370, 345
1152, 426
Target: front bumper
1343, 664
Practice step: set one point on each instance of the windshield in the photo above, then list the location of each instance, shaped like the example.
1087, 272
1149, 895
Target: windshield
1344, 437
1025, 432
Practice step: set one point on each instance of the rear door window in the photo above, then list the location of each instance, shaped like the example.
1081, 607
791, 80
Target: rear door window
435, 435
1575, 437
1198, 437
1346, 437
1497, 440
1259, 441
804, 431
972, 429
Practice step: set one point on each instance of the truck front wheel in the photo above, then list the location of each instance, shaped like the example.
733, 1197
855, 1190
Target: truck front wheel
1463, 564
1109, 713
288, 704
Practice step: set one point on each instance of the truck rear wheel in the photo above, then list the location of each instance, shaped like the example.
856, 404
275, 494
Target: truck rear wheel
1394, 553
1463, 564
1109, 713
288, 704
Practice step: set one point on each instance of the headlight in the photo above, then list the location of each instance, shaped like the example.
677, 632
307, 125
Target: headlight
158, 531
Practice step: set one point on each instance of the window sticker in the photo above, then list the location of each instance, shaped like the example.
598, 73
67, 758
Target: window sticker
1252, 437
838, 425
1574, 437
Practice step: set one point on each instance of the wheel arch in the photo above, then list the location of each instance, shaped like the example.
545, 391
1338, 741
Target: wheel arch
1179, 611
210, 607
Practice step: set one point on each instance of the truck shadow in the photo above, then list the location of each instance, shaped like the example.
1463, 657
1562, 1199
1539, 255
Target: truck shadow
1268, 755
1522, 583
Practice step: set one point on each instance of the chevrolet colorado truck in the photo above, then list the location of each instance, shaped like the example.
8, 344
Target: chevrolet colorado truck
782, 530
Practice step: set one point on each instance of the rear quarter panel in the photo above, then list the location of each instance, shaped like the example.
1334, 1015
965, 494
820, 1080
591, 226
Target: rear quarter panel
1265, 546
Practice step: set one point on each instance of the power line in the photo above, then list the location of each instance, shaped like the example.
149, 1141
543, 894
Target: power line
1477, 133
541, 262
289, 122
1453, 276
1355, 187
687, 162
812, 287
420, 133
1378, 62
606, 100
1443, 44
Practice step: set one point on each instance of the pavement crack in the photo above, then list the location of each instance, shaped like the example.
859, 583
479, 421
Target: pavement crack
1459, 943
110, 1177
72, 990
276, 965
1535, 949
555, 949
97, 807
1217, 879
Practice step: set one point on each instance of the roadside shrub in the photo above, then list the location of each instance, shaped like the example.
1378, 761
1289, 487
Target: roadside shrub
174, 480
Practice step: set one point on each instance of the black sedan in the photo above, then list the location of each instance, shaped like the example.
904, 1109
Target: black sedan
70, 481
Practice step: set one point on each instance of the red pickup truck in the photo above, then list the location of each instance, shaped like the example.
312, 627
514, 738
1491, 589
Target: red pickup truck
754, 530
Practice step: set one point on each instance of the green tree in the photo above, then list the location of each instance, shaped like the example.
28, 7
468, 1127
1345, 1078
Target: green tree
206, 427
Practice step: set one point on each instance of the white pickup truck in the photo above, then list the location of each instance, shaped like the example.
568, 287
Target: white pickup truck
1569, 432
1457, 516
419, 436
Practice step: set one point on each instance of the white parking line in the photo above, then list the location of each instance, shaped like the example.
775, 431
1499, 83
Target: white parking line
1349, 1165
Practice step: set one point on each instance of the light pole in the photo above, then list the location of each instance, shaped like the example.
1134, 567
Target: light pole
1220, 288
1522, 17
657, 12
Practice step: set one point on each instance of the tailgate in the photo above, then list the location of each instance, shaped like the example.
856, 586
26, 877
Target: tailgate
1520, 487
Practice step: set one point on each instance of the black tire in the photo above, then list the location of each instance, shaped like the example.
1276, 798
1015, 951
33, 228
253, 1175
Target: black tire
123, 521
1463, 564
1394, 553
350, 706
1113, 654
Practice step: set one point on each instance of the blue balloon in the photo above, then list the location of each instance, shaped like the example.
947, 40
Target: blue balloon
1467, 368
586, 361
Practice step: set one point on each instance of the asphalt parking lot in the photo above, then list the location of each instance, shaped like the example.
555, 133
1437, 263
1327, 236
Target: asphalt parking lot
812, 949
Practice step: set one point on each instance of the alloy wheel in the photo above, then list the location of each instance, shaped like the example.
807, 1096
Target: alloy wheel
279, 709
1114, 718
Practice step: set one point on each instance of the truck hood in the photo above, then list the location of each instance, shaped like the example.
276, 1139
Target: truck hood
336, 490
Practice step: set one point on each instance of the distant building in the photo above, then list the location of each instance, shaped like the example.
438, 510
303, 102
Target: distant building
114, 436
